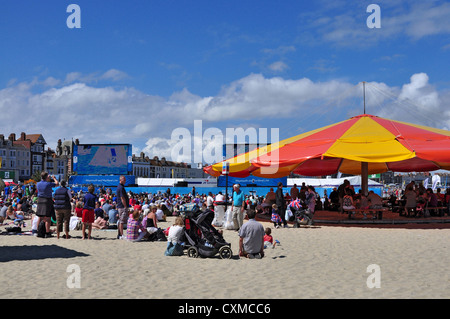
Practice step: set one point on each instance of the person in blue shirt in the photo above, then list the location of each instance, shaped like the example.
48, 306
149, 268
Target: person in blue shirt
237, 206
45, 207
88, 211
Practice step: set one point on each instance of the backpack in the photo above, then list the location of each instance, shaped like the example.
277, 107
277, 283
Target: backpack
41, 230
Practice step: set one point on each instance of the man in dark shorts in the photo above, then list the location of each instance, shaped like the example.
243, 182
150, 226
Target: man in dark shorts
122, 205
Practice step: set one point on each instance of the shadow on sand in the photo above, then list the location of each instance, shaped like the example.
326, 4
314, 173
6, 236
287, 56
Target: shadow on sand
10, 253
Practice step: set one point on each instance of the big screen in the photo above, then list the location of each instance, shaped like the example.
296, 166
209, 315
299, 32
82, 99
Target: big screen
102, 159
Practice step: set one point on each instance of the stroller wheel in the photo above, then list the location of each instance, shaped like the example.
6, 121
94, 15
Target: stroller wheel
192, 252
225, 252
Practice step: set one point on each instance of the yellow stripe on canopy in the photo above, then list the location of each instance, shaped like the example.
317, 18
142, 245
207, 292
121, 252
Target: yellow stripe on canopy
368, 141
243, 161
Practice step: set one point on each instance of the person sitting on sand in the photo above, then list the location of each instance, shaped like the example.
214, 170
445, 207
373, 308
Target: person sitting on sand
268, 239
160, 216
79, 209
251, 238
175, 237
150, 221
135, 230
17, 217
113, 214
100, 223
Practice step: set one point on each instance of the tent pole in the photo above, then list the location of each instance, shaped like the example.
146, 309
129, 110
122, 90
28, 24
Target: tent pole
226, 193
365, 178
364, 94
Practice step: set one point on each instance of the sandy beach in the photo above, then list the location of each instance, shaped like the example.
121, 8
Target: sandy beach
315, 262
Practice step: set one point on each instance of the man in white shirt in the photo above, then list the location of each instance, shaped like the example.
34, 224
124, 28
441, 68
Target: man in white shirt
220, 197
210, 201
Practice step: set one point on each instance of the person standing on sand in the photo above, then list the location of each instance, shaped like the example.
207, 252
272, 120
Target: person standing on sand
88, 211
237, 206
62, 209
281, 204
45, 200
122, 205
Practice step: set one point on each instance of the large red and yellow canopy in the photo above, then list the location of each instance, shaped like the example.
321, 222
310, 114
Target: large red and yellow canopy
384, 144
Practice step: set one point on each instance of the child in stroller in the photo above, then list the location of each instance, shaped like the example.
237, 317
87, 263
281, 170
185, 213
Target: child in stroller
301, 213
202, 239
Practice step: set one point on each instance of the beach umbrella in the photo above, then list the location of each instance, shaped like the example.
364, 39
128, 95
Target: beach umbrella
361, 145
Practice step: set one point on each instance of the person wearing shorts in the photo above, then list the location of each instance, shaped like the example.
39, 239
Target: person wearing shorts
122, 205
88, 216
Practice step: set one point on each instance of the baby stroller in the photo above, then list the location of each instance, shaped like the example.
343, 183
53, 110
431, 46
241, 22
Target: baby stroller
202, 239
301, 214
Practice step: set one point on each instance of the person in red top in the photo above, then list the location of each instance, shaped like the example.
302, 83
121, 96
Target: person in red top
268, 239
79, 209
137, 206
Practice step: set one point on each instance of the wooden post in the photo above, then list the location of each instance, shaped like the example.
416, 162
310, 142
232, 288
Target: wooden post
365, 178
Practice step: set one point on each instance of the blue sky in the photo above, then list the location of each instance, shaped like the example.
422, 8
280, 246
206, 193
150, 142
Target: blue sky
137, 70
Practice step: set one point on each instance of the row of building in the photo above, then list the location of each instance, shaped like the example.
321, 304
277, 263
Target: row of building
26, 156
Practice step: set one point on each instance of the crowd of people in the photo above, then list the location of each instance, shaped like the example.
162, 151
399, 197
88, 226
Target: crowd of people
136, 216
413, 201
416, 201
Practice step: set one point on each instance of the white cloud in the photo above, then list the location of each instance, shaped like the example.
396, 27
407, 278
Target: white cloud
413, 19
417, 102
126, 115
114, 75
278, 66
51, 81
95, 77
420, 91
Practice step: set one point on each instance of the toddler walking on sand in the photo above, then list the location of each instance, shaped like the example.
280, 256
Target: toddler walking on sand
276, 218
